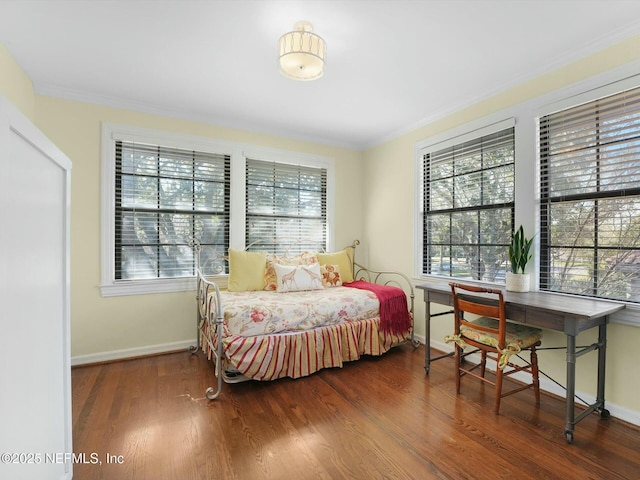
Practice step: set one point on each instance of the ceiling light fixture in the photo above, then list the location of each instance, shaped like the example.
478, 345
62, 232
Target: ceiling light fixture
302, 53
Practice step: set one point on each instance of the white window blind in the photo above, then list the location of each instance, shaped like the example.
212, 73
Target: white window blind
590, 198
163, 198
285, 203
468, 208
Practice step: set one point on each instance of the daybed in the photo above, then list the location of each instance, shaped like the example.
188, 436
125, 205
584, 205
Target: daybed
292, 315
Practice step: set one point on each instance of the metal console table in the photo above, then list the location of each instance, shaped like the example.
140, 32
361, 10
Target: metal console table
570, 315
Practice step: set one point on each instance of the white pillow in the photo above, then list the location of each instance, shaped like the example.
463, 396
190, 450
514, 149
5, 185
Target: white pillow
290, 278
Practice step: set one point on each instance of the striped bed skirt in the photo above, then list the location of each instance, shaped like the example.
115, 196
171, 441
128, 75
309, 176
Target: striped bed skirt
299, 354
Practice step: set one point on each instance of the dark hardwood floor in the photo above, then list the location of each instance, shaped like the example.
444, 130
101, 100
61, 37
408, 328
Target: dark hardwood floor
378, 418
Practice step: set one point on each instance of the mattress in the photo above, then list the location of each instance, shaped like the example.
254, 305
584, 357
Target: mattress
269, 312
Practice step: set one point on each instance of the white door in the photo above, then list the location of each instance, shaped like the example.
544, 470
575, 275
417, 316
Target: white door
35, 389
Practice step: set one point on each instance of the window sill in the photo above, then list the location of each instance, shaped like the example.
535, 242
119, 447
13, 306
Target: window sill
151, 286
630, 315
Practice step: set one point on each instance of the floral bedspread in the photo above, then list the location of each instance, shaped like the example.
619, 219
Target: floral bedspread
267, 312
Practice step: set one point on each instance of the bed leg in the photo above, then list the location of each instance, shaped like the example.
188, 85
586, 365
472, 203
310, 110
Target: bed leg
194, 348
210, 393
414, 342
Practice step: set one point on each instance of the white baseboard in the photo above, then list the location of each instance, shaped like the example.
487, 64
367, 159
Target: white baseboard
625, 414
131, 353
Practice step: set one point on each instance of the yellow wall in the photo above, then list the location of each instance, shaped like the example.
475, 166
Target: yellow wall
100, 325
15, 85
389, 222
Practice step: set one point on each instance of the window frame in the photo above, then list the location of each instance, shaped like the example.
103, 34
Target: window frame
597, 196
112, 132
132, 167
319, 172
455, 137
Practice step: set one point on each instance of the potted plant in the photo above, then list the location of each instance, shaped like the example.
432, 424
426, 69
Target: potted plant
519, 255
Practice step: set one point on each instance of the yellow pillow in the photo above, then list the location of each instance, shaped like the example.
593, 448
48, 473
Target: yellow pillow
246, 270
344, 261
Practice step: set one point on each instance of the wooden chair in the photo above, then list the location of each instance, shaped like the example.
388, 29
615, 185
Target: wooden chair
494, 337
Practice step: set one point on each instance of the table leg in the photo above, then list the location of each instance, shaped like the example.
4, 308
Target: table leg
427, 336
602, 359
571, 388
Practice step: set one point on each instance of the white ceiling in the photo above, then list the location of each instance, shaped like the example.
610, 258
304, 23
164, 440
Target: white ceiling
392, 64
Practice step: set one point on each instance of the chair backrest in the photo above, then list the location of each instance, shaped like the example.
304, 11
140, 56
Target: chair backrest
485, 302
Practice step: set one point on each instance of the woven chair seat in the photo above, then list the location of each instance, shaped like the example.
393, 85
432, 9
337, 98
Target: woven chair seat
517, 334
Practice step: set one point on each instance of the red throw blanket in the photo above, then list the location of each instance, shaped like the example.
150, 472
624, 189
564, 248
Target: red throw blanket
394, 314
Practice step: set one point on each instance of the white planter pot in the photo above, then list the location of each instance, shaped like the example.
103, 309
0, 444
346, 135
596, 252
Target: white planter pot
517, 282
